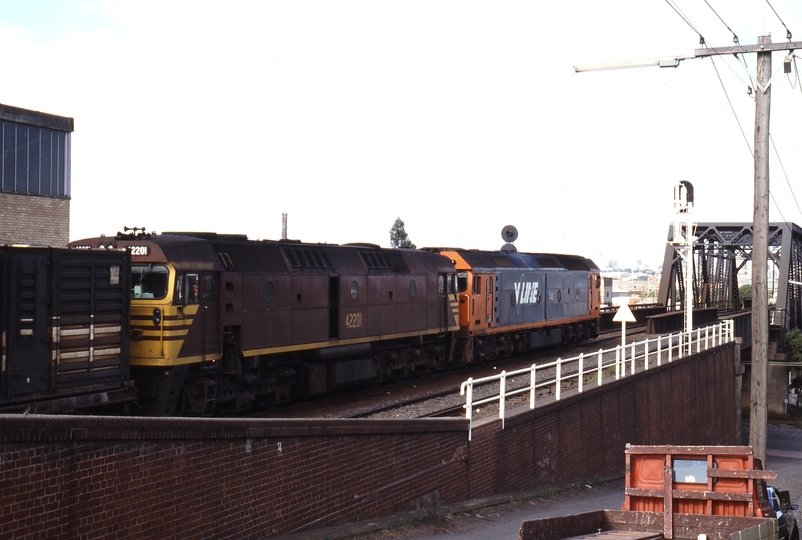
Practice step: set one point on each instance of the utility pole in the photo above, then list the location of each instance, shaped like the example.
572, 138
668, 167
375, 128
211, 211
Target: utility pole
760, 309
758, 413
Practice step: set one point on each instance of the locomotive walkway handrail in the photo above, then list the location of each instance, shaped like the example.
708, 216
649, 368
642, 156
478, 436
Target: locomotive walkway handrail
580, 371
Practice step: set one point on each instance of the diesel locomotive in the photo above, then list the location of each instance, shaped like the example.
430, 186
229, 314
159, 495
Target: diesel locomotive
512, 302
221, 323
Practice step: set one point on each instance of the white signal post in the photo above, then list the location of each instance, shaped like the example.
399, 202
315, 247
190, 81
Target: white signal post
623, 315
682, 235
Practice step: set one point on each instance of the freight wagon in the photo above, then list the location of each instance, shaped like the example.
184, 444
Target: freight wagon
65, 318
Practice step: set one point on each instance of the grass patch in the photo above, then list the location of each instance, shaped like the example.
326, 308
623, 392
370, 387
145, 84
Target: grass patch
415, 520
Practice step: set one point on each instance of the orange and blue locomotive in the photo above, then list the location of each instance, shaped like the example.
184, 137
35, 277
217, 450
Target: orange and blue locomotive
513, 302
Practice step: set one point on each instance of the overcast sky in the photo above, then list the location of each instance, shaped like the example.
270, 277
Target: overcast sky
460, 117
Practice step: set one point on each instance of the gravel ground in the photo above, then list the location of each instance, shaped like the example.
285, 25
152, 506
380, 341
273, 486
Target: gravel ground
350, 403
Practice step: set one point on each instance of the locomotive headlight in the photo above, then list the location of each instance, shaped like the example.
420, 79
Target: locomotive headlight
157, 316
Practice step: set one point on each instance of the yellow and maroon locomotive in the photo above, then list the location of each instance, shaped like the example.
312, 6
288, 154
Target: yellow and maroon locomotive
220, 322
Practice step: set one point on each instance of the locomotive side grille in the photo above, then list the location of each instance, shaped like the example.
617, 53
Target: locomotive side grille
574, 264
500, 260
548, 262
376, 260
307, 258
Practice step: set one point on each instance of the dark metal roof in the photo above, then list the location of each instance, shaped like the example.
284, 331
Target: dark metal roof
490, 260
36, 118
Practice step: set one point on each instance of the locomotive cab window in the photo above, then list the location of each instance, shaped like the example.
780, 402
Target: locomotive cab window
452, 284
462, 281
208, 289
193, 289
187, 289
149, 281
178, 295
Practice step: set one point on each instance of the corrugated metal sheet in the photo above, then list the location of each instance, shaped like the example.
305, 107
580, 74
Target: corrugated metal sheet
35, 160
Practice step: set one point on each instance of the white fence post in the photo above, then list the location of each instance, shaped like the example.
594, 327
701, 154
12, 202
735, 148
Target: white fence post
532, 385
467, 390
670, 347
632, 366
646, 353
581, 372
659, 351
558, 377
502, 390
599, 367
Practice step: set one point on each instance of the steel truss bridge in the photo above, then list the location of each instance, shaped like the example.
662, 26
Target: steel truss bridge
720, 252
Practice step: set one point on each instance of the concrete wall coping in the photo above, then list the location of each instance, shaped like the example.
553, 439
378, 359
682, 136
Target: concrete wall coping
52, 428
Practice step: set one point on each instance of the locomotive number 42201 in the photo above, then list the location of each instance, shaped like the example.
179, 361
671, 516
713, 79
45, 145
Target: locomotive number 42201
139, 250
353, 320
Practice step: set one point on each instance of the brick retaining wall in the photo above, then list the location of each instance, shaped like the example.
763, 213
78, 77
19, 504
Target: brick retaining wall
692, 401
103, 477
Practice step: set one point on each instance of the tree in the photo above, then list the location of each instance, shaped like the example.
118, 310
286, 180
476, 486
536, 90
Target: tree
399, 237
793, 345
745, 291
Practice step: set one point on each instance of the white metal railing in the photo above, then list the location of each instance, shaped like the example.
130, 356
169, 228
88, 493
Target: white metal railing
574, 371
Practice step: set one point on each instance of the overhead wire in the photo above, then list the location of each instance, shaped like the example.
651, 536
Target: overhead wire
732, 108
771, 138
742, 59
752, 85
796, 72
785, 174
788, 32
687, 21
734, 35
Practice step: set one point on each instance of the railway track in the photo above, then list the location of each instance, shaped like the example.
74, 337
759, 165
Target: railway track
432, 405
437, 395
409, 402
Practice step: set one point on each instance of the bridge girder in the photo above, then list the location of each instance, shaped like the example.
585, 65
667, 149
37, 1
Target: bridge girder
720, 252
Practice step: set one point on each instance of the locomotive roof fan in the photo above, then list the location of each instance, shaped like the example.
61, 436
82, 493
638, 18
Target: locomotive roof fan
509, 233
